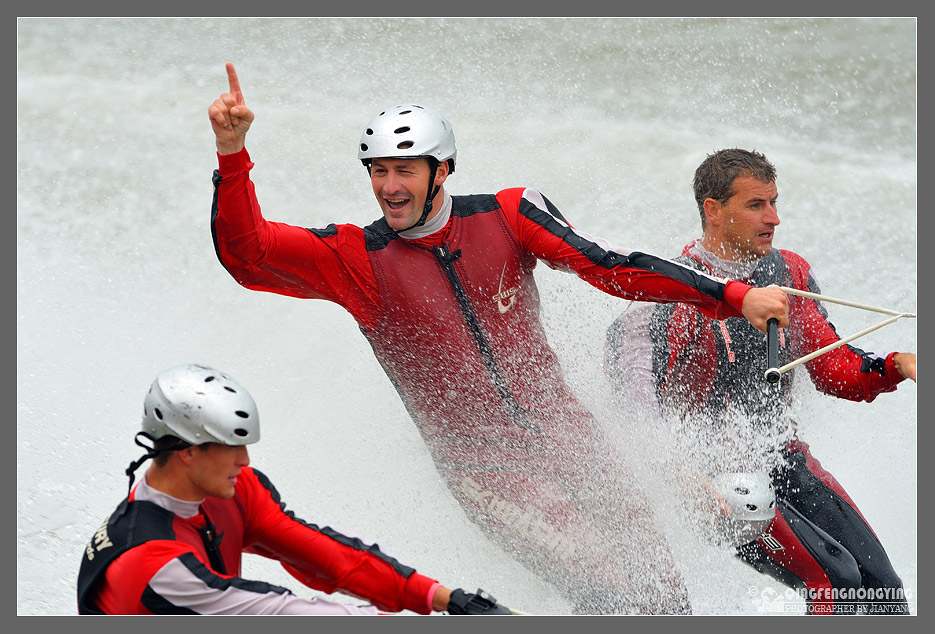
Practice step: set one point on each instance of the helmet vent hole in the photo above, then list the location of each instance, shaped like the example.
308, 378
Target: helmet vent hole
230, 389
405, 145
157, 413
742, 490
369, 130
405, 111
402, 130
208, 379
363, 147
241, 432
242, 414
750, 507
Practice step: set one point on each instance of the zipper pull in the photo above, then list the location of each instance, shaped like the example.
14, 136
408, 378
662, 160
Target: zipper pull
443, 254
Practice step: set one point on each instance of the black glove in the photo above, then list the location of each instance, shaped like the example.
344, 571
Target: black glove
462, 602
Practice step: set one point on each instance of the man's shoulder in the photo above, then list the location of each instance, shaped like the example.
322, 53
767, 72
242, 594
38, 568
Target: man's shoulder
514, 196
252, 486
130, 525
350, 234
339, 230
798, 266
253, 477
468, 205
792, 257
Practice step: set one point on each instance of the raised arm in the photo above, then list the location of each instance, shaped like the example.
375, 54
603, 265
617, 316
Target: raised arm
230, 117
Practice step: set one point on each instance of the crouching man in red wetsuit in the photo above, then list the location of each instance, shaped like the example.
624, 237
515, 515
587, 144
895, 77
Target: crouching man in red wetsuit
174, 545
443, 289
706, 377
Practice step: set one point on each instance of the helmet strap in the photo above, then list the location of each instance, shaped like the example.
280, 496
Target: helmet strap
151, 452
430, 194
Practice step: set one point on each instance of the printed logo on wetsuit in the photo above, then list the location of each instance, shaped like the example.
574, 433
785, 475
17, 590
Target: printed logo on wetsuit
727, 341
505, 299
545, 536
99, 542
770, 543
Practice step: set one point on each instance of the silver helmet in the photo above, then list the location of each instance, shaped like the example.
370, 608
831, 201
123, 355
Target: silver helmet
752, 502
408, 131
200, 405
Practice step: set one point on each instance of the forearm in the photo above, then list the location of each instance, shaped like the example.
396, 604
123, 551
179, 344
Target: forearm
845, 372
186, 584
440, 598
330, 264
331, 561
241, 234
542, 231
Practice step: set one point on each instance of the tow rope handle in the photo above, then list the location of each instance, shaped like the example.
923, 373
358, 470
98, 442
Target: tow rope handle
773, 372
772, 351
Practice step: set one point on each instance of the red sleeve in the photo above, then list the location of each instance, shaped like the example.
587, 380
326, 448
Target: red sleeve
845, 372
129, 574
325, 559
543, 231
328, 263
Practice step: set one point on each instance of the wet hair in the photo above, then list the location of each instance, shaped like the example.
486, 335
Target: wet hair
714, 178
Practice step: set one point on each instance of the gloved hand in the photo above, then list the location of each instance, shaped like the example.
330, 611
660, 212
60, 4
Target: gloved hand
462, 602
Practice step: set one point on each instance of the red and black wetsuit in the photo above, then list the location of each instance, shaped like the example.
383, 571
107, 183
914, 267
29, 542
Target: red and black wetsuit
709, 374
453, 317
148, 559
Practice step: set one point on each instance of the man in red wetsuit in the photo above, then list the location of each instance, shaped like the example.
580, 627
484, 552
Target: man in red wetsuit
442, 288
174, 546
708, 375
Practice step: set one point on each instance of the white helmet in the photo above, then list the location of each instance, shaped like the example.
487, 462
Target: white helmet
408, 131
752, 503
200, 405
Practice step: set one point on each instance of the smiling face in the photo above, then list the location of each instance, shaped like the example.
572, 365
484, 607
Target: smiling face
742, 227
401, 187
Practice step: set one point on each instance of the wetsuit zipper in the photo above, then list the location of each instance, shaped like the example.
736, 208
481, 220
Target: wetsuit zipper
447, 260
212, 542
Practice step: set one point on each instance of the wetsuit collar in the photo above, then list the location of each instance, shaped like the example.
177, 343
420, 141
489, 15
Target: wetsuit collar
431, 226
182, 508
724, 268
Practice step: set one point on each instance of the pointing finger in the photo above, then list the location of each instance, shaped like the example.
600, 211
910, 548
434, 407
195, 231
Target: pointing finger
234, 82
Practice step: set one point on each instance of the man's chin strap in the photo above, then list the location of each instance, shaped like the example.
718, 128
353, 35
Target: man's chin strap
429, 199
151, 452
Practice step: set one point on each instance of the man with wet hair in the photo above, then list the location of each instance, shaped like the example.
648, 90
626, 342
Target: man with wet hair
706, 375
